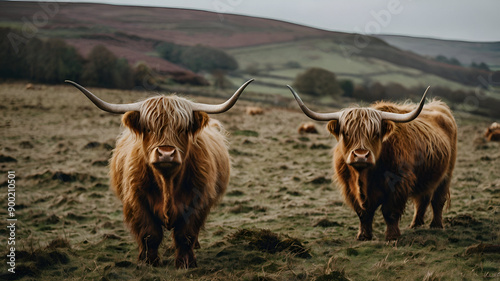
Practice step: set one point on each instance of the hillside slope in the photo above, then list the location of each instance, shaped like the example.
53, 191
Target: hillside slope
133, 32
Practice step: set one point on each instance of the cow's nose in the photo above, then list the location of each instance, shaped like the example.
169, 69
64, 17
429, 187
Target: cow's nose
166, 153
361, 153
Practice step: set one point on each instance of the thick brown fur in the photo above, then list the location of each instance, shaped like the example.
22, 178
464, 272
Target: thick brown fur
493, 132
412, 160
177, 198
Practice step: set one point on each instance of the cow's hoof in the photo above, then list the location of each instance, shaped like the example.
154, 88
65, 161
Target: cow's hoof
392, 236
151, 261
364, 237
416, 225
185, 262
436, 225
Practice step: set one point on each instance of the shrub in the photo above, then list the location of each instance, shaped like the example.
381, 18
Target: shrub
347, 87
252, 68
452, 61
122, 75
220, 80
56, 61
145, 77
481, 66
104, 69
317, 82
292, 64
170, 51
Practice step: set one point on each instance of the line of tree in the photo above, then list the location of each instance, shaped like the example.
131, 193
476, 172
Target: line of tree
48, 61
318, 82
480, 65
454, 61
451, 60
53, 61
197, 58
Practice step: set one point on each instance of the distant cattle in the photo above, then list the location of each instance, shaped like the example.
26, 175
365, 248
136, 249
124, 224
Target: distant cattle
31, 86
493, 132
388, 153
254, 110
307, 128
170, 166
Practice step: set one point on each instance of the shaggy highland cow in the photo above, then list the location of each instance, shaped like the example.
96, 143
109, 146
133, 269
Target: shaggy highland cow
388, 153
493, 132
169, 167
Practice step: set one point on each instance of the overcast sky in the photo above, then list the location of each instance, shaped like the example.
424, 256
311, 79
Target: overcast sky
445, 19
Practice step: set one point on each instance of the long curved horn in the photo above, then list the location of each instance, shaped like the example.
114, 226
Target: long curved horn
223, 107
406, 117
109, 107
312, 114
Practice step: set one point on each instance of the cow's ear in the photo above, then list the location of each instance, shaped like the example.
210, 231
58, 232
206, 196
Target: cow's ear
334, 128
131, 120
388, 128
200, 121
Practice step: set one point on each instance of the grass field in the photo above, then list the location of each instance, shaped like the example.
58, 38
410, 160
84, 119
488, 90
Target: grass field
281, 219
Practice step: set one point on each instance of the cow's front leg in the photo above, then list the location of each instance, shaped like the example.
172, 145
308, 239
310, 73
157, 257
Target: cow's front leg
392, 214
147, 231
365, 224
185, 234
185, 242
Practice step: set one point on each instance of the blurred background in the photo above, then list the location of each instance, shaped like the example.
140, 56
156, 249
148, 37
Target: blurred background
332, 52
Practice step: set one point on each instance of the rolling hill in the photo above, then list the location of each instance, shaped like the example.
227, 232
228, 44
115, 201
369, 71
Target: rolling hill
465, 52
277, 51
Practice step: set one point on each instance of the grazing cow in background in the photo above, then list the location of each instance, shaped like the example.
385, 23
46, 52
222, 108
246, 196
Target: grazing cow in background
254, 110
388, 153
307, 128
493, 132
169, 167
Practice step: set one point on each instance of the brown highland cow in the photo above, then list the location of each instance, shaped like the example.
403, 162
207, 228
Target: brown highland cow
169, 167
493, 132
388, 153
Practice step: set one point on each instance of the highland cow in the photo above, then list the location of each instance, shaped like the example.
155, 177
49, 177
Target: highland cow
307, 128
169, 167
254, 110
493, 132
388, 153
